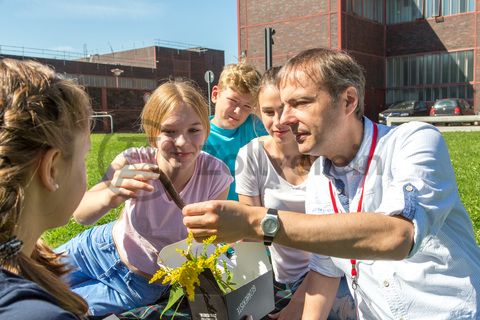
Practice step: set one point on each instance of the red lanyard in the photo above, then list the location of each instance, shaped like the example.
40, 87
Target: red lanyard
354, 272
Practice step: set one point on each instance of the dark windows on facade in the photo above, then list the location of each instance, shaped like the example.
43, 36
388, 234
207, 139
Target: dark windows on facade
410, 10
430, 77
368, 9
112, 82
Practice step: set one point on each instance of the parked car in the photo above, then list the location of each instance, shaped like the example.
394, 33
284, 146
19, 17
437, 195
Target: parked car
451, 107
404, 109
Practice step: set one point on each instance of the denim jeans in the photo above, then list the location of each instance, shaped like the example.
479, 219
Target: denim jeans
343, 307
101, 278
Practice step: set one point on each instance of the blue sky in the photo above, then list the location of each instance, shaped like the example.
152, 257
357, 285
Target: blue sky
70, 25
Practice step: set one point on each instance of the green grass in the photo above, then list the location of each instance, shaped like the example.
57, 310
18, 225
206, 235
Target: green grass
104, 149
464, 150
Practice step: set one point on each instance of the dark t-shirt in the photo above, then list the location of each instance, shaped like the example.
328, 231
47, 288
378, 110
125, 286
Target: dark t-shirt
21, 299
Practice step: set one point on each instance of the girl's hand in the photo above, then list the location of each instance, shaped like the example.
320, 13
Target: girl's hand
127, 181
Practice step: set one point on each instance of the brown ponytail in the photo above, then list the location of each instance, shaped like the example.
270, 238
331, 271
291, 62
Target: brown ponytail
38, 111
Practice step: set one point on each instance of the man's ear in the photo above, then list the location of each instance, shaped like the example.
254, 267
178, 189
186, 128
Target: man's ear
350, 95
48, 169
215, 93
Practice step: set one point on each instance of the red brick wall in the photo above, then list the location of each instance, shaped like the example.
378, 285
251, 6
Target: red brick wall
364, 40
298, 25
363, 35
455, 32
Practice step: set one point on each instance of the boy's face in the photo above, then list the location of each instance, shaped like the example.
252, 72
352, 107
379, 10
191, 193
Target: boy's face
231, 107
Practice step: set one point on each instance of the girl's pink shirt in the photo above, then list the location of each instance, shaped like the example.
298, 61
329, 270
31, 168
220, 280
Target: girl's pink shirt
152, 221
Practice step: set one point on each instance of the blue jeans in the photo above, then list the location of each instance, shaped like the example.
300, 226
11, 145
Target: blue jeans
343, 307
101, 278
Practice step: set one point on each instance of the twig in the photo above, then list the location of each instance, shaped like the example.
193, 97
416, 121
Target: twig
167, 184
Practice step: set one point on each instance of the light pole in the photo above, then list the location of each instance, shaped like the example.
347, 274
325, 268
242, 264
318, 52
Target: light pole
116, 72
209, 77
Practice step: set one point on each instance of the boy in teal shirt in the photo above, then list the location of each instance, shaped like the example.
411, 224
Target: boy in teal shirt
234, 124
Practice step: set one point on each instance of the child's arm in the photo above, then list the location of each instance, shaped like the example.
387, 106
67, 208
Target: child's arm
121, 182
320, 293
312, 300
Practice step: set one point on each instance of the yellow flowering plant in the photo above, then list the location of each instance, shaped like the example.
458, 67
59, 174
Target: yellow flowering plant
185, 278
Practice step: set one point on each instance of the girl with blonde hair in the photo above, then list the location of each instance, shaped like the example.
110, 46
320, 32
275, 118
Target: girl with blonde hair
114, 262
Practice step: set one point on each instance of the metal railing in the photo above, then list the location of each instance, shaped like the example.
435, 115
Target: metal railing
103, 114
180, 45
106, 58
447, 120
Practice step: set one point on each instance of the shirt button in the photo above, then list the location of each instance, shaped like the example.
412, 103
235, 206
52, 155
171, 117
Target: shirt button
386, 283
409, 188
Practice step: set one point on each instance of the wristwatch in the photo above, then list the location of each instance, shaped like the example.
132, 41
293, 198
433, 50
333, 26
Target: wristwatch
270, 226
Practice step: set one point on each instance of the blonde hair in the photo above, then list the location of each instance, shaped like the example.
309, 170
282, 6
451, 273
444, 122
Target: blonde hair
241, 77
167, 97
333, 70
38, 111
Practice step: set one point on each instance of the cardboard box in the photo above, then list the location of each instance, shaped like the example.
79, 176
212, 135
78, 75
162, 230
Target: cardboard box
252, 275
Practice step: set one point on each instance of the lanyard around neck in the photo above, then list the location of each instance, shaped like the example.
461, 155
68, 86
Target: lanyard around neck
354, 272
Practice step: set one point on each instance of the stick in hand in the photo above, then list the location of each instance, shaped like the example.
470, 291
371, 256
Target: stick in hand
167, 184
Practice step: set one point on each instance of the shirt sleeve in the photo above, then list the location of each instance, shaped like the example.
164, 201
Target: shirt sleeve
324, 265
245, 168
423, 188
219, 177
21, 299
35, 309
139, 155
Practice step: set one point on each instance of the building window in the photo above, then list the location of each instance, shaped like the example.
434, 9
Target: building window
430, 77
368, 9
409, 10
111, 82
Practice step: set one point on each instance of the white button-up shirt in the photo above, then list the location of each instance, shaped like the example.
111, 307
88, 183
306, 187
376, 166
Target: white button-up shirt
410, 175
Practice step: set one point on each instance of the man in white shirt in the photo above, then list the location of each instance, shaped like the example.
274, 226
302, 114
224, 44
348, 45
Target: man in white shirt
411, 252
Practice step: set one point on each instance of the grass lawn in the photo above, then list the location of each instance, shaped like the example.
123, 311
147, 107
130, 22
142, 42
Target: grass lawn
104, 149
464, 150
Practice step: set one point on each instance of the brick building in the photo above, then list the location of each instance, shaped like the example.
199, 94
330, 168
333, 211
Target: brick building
410, 49
119, 82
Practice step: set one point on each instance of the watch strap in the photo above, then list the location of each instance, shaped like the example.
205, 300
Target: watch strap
267, 240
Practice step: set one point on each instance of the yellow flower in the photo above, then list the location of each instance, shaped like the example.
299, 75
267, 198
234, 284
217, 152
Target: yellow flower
158, 275
186, 276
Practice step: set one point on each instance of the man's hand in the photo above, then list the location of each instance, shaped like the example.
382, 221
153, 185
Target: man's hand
230, 221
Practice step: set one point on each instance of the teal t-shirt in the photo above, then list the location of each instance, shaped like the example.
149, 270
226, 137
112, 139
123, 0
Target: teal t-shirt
225, 143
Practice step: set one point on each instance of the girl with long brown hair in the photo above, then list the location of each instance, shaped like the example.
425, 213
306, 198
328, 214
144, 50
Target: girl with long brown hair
44, 138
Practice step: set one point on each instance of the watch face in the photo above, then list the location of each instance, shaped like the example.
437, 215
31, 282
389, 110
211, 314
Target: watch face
270, 226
